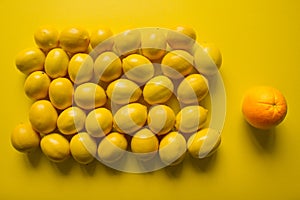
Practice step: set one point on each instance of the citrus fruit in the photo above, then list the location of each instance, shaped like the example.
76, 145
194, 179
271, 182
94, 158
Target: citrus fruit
61, 93
112, 147
43, 116
138, 68
36, 85
100, 37
264, 107
99, 122
56, 147
183, 37
30, 60
24, 139
46, 38
191, 118
71, 120
81, 68
174, 104
127, 42
204, 143
89, 96
56, 63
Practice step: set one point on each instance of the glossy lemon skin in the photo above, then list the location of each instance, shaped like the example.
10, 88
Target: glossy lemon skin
127, 42
182, 37
81, 68
46, 38
56, 63
71, 120
100, 37
36, 85
99, 122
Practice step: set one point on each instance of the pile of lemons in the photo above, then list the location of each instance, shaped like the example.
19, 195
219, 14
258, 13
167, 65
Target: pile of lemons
98, 96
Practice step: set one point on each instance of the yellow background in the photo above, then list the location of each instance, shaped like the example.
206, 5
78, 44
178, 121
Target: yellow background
261, 46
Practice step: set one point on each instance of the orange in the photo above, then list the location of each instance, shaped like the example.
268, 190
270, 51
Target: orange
264, 107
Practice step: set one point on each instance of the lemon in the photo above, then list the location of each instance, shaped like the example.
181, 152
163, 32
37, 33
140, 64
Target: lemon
191, 118
177, 63
112, 147
145, 143
71, 120
83, 148
204, 143
100, 37
172, 148
61, 93
99, 122
81, 68
74, 40
36, 85
182, 37
56, 147
123, 91
89, 96
161, 119
174, 104
56, 63
192, 89
127, 42
158, 90
30, 60
24, 139
130, 118
46, 38
138, 68
108, 67
43, 116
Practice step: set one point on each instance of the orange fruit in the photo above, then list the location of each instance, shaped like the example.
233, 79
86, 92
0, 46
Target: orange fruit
264, 107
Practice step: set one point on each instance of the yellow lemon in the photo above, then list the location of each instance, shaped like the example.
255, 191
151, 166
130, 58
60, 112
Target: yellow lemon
204, 143
191, 118
145, 144
56, 147
56, 63
158, 90
182, 37
174, 104
138, 68
83, 148
112, 147
24, 139
100, 37
81, 68
99, 122
43, 116
123, 91
192, 89
108, 67
61, 93
74, 40
30, 60
161, 119
89, 96
177, 64
46, 38
127, 42
130, 118
36, 85
172, 148
71, 121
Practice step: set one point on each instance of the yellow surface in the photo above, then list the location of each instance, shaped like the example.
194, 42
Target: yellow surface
260, 44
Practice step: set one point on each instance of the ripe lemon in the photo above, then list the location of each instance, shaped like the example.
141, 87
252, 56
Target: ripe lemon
108, 67
89, 96
161, 119
71, 120
30, 60
56, 147
123, 91
112, 147
36, 85
158, 90
99, 122
174, 104
46, 38
172, 148
43, 116
138, 68
61, 93
100, 37
191, 118
81, 68
83, 148
204, 143
145, 143
130, 118
74, 40
24, 139
192, 89
182, 37
127, 42
56, 63
177, 64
